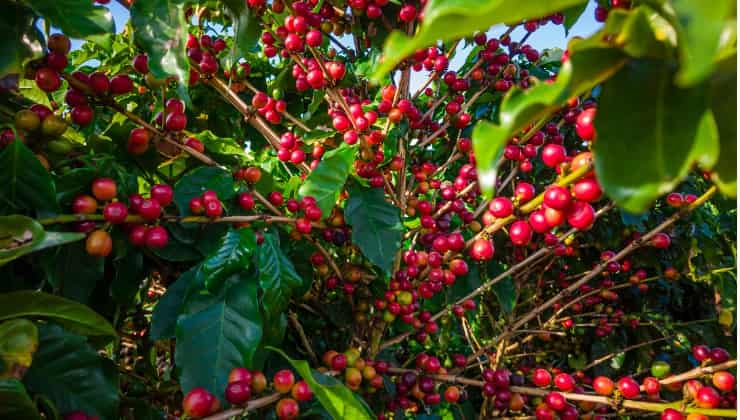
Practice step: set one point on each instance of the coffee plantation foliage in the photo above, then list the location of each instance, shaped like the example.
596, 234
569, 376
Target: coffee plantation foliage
367, 209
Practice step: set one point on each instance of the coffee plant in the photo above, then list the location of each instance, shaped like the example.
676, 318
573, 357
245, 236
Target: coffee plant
367, 209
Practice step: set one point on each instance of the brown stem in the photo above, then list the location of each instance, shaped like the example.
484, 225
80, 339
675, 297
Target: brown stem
603, 359
302, 335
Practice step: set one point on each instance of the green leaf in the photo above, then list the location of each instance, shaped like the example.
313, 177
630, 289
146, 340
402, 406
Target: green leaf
571, 15
160, 29
77, 19
277, 276
24, 183
74, 316
723, 91
219, 337
234, 254
337, 399
488, 147
170, 306
17, 405
669, 128
246, 28
19, 340
376, 225
326, 181
129, 274
506, 293
30, 90
73, 272
23, 40
23, 235
450, 19
699, 25
223, 149
71, 373
198, 181
20, 234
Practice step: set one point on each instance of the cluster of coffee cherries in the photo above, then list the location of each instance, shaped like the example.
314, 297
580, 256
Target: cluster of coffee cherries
310, 74
173, 119
207, 203
38, 125
242, 386
268, 107
99, 242
203, 51
98, 84
356, 370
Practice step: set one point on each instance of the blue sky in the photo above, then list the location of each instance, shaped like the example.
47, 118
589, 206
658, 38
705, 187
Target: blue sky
548, 36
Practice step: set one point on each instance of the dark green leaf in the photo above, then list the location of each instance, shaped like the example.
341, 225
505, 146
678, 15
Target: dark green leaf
450, 19
16, 404
160, 29
277, 276
24, 183
129, 273
198, 181
71, 373
246, 28
337, 399
74, 316
77, 19
170, 306
376, 225
571, 15
723, 91
234, 254
23, 40
505, 292
218, 338
669, 128
699, 25
326, 181
73, 272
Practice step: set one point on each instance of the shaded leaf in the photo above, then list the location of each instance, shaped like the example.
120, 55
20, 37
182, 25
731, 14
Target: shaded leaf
17, 405
723, 91
24, 41
246, 28
376, 225
72, 374
74, 272
170, 306
277, 276
24, 182
77, 19
74, 316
